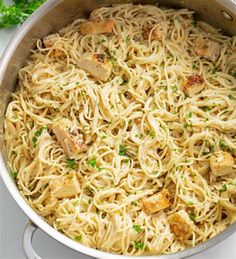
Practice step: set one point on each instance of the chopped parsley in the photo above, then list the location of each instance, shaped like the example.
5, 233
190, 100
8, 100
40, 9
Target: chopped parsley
194, 23
127, 38
193, 66
122, 151
224, 188
137, 228
174, 88
92, 162
14, 174
213, 70
190, 203
193, 217
138, 245
151, 134
211, 150
134, 203
186, 124
78, 238
206, 108
37, 134
111, 55
89, 190
70, 163
17, 12
231, 97
223, 145
34, 140
189, 115
234, 74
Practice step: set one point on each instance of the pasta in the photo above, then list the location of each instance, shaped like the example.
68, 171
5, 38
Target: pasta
118, 128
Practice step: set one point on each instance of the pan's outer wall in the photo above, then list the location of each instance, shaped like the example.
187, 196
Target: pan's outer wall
50, 18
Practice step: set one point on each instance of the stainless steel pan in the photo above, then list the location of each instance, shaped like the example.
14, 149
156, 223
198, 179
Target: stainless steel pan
49, 18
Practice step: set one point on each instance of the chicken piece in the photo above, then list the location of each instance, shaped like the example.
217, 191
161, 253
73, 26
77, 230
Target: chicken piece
207, 49
97, 65
181, 225
64, 187
158, 33
94, 15
156, 202
71, 141
49, 42
50, 39
221, 163
97, 27
193, 85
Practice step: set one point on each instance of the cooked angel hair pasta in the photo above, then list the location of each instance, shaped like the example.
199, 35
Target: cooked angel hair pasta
122, 130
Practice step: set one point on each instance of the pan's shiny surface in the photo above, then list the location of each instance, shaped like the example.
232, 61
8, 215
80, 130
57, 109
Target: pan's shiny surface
51, 17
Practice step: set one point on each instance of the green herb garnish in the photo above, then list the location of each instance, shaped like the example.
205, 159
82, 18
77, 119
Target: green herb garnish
194, 23
18, 12
223, 146
78, 238
224, 188
174, 88
137, 228
89, 189
34, 140
37, 134
138, 245
212, 148
193, 217
151, 134
14, 174
70, 163
111, 55
122, 151
92, 162
206, 108
186, 125
189, 115
231, 97
134, 203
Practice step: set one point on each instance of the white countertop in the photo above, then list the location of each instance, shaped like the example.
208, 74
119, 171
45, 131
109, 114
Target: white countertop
13, 221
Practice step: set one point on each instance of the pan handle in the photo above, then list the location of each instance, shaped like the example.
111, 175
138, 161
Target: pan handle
30, 229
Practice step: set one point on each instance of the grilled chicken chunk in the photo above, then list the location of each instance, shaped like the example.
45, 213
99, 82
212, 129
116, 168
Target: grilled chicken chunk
71, 141
64, 187
94, 15
97, 27
207, 49
156, 202
181, 225
49, 42
97, 65
158, 33
221, 163
193, 85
